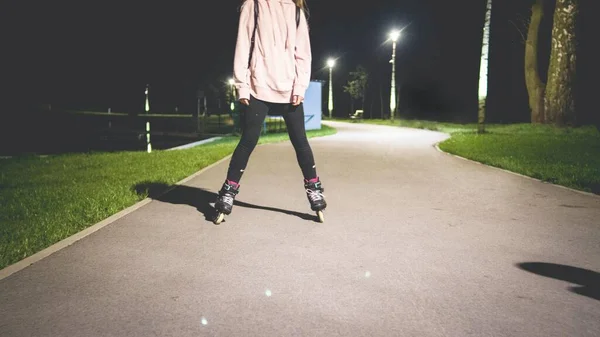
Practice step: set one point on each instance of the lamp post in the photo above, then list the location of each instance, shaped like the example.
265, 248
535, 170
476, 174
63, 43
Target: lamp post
330, 64
147, 108
394, 35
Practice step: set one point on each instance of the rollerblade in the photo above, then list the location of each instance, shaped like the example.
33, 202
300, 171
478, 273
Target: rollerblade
224, 203
314, 192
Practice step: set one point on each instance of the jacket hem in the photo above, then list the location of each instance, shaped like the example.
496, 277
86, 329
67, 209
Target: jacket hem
272, 96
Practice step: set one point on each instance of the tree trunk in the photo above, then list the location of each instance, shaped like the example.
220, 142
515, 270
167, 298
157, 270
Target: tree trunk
535, 87
559, 102
483, 68
363, 102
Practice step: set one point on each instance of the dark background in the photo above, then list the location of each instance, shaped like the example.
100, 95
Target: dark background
96, 55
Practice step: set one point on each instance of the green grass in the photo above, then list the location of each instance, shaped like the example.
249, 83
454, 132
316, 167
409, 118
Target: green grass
564, 156
46, 199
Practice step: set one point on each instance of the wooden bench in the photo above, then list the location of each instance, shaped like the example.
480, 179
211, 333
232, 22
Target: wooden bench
358, 115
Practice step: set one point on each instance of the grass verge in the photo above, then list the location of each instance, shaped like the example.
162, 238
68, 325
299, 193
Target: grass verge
564, 156
47, 199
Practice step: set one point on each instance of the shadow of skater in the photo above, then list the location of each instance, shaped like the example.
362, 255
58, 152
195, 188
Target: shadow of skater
200, 199
588, 280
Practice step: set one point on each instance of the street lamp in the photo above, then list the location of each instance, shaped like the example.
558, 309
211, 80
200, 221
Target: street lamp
330, 64
394, 35
147, 103
231, 83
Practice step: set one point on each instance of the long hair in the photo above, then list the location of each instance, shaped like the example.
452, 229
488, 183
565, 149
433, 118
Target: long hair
302, 5
299, 3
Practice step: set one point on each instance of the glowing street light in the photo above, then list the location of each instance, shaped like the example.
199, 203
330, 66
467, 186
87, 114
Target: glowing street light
394, 35
330, 64
147, 103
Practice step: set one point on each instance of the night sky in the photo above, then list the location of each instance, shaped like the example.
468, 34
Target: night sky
95, 55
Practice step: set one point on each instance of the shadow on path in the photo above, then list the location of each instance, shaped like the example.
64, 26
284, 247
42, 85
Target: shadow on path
200, 199
588, 280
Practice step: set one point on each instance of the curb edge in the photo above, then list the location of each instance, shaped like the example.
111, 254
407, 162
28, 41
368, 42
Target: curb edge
436, 146
64, 243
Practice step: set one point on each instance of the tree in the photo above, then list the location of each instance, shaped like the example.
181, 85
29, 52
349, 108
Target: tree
352, 89
557, 94
483, 68
216, 91
535, 86
559, 102
357, 85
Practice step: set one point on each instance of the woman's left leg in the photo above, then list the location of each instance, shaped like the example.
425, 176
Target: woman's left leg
294, 121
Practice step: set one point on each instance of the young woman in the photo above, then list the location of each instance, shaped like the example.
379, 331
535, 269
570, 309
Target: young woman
272, 68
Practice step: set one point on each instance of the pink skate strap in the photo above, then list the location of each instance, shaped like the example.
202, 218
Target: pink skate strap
233, 183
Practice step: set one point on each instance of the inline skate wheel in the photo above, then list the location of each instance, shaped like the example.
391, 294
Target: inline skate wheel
219, 218
321, 216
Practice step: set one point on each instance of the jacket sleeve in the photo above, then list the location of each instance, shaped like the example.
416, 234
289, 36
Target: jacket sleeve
242, 50
303, 58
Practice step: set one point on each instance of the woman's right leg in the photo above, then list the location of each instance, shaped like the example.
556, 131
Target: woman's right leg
252, 120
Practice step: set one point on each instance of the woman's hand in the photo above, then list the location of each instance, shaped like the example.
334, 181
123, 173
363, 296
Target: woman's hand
244, 101
297, 100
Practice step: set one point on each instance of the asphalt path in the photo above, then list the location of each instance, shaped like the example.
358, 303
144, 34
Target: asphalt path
415, 243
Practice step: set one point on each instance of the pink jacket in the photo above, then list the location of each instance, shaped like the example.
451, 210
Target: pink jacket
281, 62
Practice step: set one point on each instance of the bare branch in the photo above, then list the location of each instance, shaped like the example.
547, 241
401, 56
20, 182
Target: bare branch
520, 31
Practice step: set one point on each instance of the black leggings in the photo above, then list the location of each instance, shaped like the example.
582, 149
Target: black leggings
252, 119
